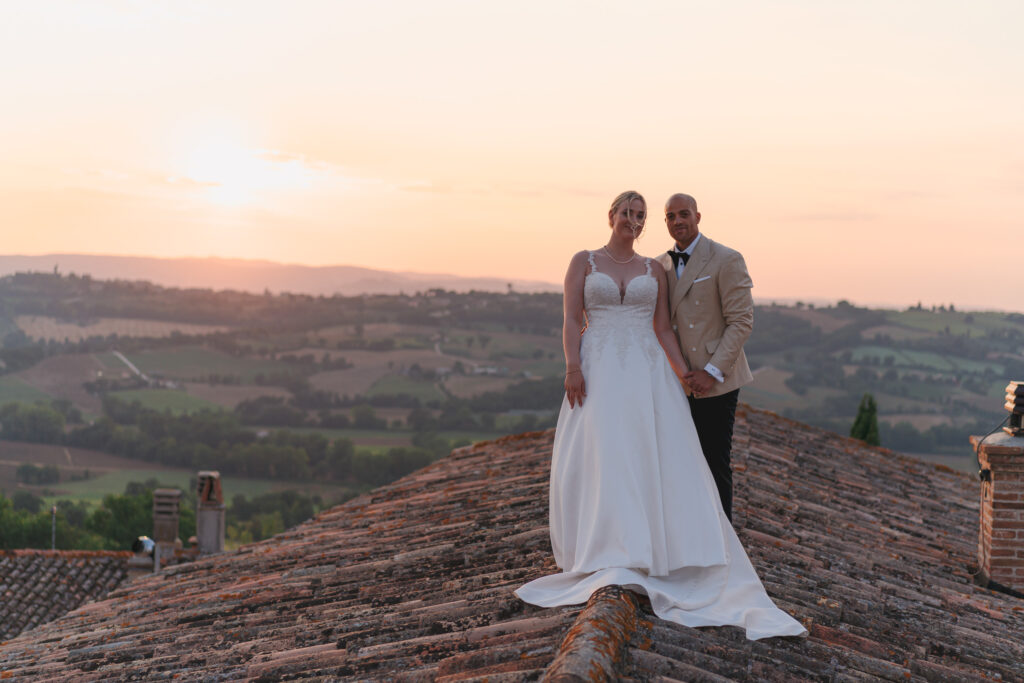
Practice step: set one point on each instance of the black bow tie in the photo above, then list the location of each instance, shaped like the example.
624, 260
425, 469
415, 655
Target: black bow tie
676, 255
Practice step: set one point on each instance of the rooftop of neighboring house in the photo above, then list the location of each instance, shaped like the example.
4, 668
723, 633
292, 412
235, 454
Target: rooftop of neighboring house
37, 586
872, 550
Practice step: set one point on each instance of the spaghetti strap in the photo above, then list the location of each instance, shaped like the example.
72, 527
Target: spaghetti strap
647, 263
593, 266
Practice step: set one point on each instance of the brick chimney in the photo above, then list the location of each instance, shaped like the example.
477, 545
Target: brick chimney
1001, 538
211, 512
165, 525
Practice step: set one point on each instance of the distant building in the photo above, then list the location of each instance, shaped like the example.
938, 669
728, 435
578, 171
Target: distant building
490, 370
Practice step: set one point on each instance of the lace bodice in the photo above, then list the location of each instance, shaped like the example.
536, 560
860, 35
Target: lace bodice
623, 318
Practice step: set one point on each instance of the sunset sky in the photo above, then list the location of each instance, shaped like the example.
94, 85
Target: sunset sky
870, 151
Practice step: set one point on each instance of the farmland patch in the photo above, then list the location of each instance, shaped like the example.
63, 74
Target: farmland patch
371, 366
63, 376
500, 346
923, 359
13, 388
230, 395
114, 482
466, 386
957, 323
818, 318
177, 402
43, 327
193, 362
70, 461
772, 381
895, 332
920, 422
401, 384
108, 474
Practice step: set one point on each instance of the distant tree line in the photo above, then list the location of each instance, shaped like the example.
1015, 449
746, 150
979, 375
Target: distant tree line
73, 297
941, 438
217, 440
946, 439
268, 514
209, 440
25, 522
35, 475
461, 414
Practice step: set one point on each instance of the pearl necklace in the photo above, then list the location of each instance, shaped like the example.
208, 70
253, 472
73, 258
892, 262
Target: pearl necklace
617, 260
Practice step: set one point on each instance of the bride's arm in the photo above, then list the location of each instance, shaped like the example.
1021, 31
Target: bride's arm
663, 324
572, 327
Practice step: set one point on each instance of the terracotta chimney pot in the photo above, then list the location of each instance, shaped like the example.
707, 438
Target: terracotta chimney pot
210, 517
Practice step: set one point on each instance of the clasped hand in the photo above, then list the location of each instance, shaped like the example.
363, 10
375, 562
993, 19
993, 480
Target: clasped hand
699, 381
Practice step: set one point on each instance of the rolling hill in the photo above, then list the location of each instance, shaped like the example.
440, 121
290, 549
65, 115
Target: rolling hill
259, 276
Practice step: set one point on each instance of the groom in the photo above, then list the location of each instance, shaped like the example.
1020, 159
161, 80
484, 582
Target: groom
713, 315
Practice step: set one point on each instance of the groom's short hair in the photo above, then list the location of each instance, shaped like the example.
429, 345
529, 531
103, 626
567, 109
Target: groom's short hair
682, 195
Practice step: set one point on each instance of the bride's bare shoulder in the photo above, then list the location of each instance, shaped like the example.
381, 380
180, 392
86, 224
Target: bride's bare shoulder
656, 267
579, 267
581, 259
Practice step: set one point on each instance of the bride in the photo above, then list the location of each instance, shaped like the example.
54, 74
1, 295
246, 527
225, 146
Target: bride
632, 501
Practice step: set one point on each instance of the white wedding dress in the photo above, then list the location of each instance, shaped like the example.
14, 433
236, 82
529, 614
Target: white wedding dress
633, 502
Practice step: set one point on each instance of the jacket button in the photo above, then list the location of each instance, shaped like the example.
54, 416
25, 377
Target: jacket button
693, 348
691, 326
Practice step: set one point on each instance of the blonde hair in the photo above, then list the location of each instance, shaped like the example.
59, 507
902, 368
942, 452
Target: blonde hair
627, 198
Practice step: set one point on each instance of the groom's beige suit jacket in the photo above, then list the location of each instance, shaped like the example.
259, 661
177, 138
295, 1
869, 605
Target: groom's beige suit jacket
713, 311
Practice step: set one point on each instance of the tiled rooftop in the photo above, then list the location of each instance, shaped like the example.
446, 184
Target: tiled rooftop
412, 582
37, 586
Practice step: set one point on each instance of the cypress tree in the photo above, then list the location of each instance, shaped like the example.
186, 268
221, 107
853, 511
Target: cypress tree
865, 425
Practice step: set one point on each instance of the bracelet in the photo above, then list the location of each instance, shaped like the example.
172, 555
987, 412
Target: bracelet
569, 372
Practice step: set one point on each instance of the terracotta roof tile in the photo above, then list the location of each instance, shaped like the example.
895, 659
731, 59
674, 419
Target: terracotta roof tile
872, 550
37, 586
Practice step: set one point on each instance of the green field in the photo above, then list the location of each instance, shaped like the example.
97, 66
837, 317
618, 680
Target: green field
379, 440
778, 401
546, 367
921, 401
957, 322
412, 342
93, 490
355, 435
193, 362
178, 402
471, 437
401, 384
924, 359
13, 389
110, 361
500, 345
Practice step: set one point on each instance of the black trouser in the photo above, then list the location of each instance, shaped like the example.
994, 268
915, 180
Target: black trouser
714, 417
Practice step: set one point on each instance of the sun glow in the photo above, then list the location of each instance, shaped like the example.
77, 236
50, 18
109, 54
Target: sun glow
235, 175
321, 132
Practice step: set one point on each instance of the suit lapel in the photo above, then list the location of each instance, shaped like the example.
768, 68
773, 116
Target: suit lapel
698, 261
